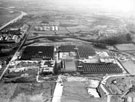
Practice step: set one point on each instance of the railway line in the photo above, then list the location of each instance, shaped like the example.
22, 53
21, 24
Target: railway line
15, 55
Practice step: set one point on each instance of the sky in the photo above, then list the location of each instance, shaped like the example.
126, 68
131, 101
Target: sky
126, 6
117, 6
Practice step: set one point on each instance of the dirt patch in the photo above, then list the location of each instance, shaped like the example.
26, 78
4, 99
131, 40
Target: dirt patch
33, 92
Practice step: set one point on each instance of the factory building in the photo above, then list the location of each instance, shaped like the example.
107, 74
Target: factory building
35, 57
85, 60
64, 59
98, 68
85, 51
67, 54
38, 52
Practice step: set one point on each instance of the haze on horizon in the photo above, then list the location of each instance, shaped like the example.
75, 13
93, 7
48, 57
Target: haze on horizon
126, 7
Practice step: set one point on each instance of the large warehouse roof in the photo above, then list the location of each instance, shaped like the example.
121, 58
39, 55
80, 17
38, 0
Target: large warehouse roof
99, 68
44, 52
85, 51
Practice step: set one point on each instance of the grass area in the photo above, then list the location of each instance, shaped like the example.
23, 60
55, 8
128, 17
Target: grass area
77, 92
6, 91
33, 92
126, 47
130, 66
6, 16
26, 92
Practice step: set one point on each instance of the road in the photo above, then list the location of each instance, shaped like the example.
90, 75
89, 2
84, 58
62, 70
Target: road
16, 54
22, 42
103, 82
58, 90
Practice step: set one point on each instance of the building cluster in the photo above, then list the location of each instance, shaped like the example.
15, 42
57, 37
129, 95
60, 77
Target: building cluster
13, 34
65, 59
47, 26
34, 57
78, 60
85, 60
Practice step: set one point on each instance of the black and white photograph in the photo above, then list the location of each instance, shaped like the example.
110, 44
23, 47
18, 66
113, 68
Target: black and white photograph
67, 50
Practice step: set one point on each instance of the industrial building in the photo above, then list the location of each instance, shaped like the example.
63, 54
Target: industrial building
38, 52
85, 51
13, 35
99, 68
67, 48
48, 60
85, 60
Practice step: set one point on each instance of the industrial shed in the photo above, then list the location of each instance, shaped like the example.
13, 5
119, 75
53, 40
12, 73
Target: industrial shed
99, 68
85, 51
35, 52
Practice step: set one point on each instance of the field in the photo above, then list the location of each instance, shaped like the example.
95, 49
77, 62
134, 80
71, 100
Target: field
6, 16
126, 47
130, 66
77, 92
26, 92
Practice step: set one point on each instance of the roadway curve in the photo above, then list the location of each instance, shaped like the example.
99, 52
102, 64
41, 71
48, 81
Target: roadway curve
103, 82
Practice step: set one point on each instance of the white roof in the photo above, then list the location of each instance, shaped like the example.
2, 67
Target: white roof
93, 92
